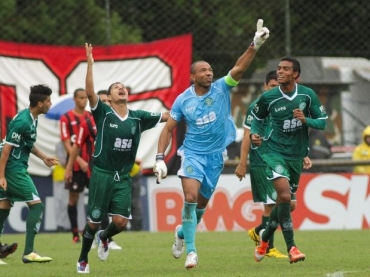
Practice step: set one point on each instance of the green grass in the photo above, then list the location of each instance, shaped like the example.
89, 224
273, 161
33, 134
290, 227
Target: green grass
226, 254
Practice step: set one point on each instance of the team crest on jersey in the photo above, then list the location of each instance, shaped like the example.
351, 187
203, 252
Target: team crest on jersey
96, 213
208, 101
279, 169
302, 105
189, 169
133, 129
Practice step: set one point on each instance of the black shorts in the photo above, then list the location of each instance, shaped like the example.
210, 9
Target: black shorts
79, 182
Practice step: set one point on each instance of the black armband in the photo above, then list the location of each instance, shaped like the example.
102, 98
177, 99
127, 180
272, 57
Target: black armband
159, 157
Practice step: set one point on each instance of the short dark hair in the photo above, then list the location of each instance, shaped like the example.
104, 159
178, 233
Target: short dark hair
103, 91
110, 87
295, 62
271, 75
38, 93
192, 67
76, 91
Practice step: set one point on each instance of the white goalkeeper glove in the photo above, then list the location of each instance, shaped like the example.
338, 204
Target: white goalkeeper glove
261, 35
160, 168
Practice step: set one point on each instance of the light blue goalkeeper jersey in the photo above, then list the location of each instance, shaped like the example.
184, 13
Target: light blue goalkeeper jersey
210, 126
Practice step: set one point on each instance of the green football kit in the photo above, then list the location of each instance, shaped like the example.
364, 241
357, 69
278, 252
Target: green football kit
22, 136
286, 141
116, 145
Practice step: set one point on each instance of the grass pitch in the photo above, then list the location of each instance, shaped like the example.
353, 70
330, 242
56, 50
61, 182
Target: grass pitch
226, 254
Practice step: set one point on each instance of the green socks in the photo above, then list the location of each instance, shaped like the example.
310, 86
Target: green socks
33, 223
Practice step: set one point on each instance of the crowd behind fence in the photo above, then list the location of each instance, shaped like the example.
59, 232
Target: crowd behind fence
221, 31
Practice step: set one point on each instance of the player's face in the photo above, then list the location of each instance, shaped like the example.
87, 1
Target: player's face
285, 74
104, 99
45, 105
203, 75
81, 99
271, 84
118, 93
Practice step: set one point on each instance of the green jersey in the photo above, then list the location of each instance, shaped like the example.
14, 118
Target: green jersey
117, 139
255, 153
288, 136
22, 135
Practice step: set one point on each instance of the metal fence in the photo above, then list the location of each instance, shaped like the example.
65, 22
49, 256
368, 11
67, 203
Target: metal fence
221, 30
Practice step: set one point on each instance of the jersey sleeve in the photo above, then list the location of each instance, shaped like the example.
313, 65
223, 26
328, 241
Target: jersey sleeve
249, 116
176, 110
64, 128
99, 111
15, 132
260, 112
149, 120
318, 116
82, 134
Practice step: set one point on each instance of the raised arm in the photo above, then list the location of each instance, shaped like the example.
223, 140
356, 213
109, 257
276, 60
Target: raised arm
89, 87
246, 59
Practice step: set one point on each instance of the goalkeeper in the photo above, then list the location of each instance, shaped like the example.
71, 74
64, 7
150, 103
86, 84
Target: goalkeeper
206, 108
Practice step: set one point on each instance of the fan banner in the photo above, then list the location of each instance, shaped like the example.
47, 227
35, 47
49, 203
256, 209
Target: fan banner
156, 73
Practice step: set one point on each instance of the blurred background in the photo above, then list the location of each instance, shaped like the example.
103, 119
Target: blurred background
328, 38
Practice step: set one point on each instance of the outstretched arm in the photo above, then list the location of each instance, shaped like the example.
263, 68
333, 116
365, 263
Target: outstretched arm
48, 161
246, 59
89, 86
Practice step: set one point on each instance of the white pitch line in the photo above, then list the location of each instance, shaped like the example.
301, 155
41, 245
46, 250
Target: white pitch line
342, 273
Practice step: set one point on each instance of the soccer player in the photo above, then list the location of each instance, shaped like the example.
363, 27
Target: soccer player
87, 134
262, 189
69, 126
206, 108
118, 135
292, 109
15, 182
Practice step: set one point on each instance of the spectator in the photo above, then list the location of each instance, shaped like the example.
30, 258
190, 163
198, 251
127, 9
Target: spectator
60, 194
362, 152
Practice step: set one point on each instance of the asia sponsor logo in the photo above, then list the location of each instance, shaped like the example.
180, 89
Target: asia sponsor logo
291, 125
122, 144
206, 119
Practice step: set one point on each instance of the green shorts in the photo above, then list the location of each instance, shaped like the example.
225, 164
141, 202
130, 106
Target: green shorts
109, 193
278, 167
20, 187
262, 189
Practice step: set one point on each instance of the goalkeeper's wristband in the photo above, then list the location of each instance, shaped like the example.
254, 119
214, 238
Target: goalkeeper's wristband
253, 45
159, 157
